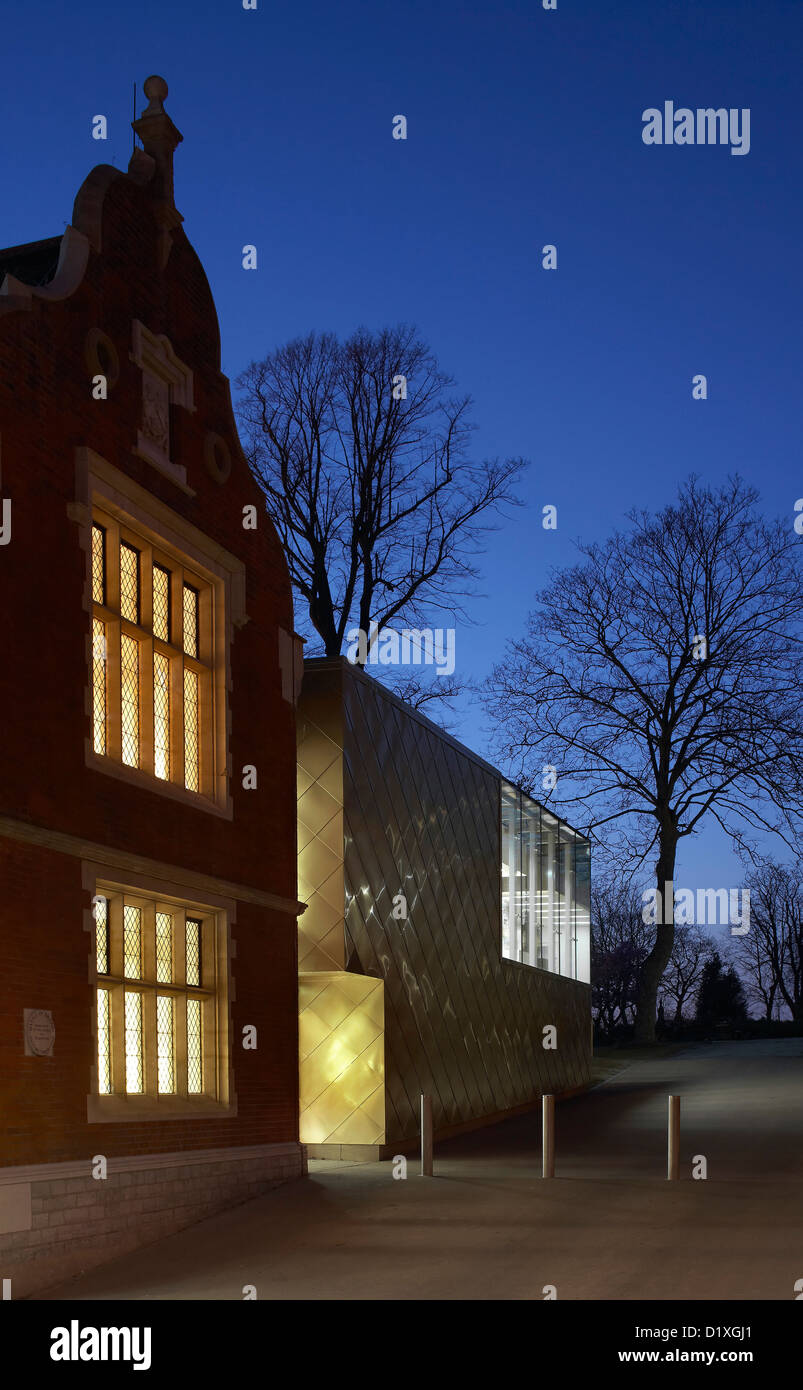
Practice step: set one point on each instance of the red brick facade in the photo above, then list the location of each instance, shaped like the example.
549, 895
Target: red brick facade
56, 810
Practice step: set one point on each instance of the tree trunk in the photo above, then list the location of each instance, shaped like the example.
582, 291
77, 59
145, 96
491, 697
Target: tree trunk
654, 966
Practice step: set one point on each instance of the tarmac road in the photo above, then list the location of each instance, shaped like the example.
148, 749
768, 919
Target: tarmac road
488, 1227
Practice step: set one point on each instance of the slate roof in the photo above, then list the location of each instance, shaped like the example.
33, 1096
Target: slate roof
33, 264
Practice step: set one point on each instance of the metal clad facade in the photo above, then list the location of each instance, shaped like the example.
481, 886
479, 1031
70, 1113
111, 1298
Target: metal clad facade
422, 819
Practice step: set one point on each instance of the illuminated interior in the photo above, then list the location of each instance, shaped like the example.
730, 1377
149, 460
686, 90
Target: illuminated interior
153, 724
155, 998
546, 889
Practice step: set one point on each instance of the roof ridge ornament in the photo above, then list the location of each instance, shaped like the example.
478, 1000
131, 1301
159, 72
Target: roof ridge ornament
160, 139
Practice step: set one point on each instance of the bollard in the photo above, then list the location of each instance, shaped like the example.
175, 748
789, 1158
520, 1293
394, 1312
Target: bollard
426, 1137
673, 1140
547, 1136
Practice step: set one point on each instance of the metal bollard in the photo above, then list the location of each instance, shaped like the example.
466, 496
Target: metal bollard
426, 1137
547, 1136
673, 1140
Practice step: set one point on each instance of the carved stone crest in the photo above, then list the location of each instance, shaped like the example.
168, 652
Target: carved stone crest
166, 380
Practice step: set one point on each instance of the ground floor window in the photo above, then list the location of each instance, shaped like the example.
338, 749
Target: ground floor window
160, 996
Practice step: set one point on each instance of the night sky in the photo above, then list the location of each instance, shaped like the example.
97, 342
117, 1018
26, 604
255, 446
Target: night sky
524, 128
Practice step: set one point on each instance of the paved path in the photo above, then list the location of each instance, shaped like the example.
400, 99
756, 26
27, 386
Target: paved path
487, 1226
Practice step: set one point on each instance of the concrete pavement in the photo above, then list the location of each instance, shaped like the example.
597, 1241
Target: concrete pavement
488, 1227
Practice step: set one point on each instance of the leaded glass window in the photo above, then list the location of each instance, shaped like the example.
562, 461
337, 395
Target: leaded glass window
104, 1043
152, 672
165, 1043
157, 997
99, 564
99, 702
129, 682
191, 730
132, 942
101, 910
161, 603
129, 583
133, 1042
194, 1047
193, 951
190, 620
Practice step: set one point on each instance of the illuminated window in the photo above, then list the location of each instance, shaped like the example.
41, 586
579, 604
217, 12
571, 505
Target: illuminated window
99, 708
165, 1041
133, 1043
158, 997
99, 564
104, 1044
195, 1080
153, 638
161, 603
101, 914
545, 881
161, 716
190, 620
164, 948
193, 952
129, 699
191, 730
129, 583
132, 942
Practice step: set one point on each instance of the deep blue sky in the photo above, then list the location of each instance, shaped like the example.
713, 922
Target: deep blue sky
524, 128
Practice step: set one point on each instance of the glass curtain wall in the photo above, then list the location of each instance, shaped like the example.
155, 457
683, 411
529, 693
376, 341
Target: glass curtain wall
546, 889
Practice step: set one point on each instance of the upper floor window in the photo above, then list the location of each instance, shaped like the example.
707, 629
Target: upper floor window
153, 643
546, 890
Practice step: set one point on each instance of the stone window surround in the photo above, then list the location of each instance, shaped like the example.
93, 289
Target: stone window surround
99, 880
99, 483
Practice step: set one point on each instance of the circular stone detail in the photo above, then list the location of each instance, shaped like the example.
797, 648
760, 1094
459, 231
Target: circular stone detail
217, 458
100, 356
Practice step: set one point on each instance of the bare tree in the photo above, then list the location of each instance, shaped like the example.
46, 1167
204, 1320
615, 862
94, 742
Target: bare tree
361, 450
753, 961
620, 943
692, 948
422, 695
770, 954
663, 676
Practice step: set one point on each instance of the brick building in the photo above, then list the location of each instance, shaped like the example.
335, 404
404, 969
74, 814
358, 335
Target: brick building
148, 1013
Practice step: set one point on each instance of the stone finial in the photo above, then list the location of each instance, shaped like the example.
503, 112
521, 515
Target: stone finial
155, 89
160, 138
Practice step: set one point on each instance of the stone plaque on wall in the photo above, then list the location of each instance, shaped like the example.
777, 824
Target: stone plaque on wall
40, 1033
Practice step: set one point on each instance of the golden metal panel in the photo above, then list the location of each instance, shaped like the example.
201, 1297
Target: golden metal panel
316, 752
422, 818
341, 1077
316, 863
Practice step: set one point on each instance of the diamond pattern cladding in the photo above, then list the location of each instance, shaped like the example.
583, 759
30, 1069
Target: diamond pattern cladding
422, 819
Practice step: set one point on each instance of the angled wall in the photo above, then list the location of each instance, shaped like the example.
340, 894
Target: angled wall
421, 818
